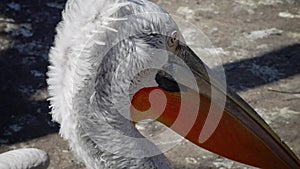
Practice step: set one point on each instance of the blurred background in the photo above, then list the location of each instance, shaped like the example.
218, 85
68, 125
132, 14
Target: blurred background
258, 42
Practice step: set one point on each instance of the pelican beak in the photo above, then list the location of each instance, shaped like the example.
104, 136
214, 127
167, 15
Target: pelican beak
234, 130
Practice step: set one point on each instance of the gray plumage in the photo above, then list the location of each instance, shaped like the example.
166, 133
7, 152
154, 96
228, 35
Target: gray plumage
99, 48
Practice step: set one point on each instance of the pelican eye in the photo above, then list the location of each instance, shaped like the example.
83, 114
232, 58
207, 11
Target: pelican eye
172, 40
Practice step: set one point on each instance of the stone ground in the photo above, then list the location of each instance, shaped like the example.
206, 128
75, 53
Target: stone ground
258, 42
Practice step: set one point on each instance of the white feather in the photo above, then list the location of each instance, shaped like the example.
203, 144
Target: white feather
88, 31
27, 158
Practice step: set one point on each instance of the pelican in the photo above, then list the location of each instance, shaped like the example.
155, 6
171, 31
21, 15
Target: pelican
116, 62
24, 158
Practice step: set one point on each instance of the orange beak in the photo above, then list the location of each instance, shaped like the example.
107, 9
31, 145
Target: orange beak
238, 133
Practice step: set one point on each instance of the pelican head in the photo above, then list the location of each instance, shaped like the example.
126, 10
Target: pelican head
115, 63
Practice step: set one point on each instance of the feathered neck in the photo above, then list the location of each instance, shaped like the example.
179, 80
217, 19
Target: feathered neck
87, 49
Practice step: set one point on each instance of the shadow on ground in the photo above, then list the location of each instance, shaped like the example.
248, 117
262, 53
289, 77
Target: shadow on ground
261, 70
28, 27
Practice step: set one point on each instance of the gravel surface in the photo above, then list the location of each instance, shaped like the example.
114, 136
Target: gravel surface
258, 42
